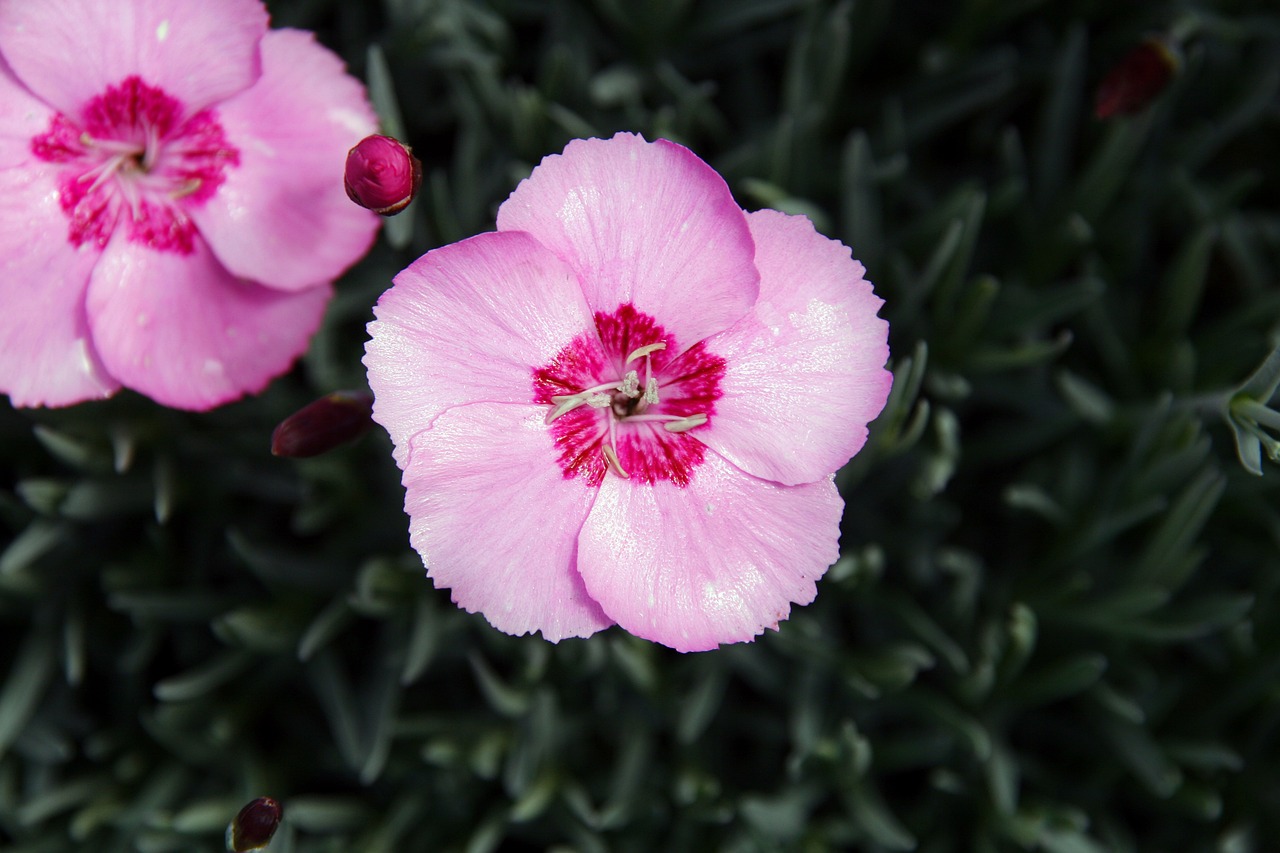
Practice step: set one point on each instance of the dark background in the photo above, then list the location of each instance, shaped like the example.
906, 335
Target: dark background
1055, 622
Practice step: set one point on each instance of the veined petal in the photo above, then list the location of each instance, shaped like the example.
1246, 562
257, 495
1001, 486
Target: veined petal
281, 216
22, 117
68, 51
466, 323
805, 370
47, 357
497, 523
715, 562
189, 334
645, 223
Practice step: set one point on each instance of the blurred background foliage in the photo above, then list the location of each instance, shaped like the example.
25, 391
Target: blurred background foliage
1055, 623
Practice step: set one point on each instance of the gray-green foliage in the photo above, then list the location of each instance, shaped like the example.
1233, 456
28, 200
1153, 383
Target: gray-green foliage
1055, 622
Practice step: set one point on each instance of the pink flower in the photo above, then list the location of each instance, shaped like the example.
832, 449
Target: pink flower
627, 404
171, 217
382, 174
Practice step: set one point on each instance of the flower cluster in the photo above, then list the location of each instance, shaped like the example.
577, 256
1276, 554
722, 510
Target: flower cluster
170, 217
626, 405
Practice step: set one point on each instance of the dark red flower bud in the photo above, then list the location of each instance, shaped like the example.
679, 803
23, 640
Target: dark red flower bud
1138, 78
254, 826
321, 426
382, 174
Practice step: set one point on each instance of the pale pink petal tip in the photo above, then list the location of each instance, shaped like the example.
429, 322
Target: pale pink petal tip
282, 217
464, 323
806, 369
495, 530
47, 356
68, 51
644, 223
184, 331
715, 563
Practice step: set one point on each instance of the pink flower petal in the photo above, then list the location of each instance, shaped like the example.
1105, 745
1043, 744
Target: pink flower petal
496, 522
467, 323
46, 357
22, 117
68, 51
282, 217
805, 370
187, 333
645, 223
715, 562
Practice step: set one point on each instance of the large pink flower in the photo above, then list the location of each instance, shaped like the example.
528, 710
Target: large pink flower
171, 208
626, 405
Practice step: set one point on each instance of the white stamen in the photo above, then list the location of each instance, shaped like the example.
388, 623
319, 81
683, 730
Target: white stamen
565, 405
651, 391
103, 172
593, 397
685, 424
186, 189
112, 146
151, 150
630, 384
611, 458
641, 352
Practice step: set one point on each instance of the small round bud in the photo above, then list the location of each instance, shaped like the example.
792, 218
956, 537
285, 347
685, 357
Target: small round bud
255, 825
382, 174
321, 426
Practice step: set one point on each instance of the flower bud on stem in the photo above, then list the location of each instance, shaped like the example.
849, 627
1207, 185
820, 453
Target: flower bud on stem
319, 427
255, 825
382, 174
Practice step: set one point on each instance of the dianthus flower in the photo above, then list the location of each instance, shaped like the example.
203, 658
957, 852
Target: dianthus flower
626, 405
171, 211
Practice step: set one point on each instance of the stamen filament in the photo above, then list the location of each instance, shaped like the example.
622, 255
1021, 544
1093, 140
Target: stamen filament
152, 149
611, 453
611, 458
565, 406
102, 172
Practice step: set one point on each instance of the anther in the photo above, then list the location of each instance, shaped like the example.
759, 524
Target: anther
186, 189
685, 424
641, 352
651, 391
630, 384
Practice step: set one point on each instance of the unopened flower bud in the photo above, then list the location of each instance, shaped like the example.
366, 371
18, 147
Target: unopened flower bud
382, 174
253, 828
1135, 81
321, 426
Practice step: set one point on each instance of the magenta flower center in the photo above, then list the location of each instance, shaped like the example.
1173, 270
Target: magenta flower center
133, 159
625, 399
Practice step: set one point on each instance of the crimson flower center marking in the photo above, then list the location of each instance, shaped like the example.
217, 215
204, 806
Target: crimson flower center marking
133, 158
622, 401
